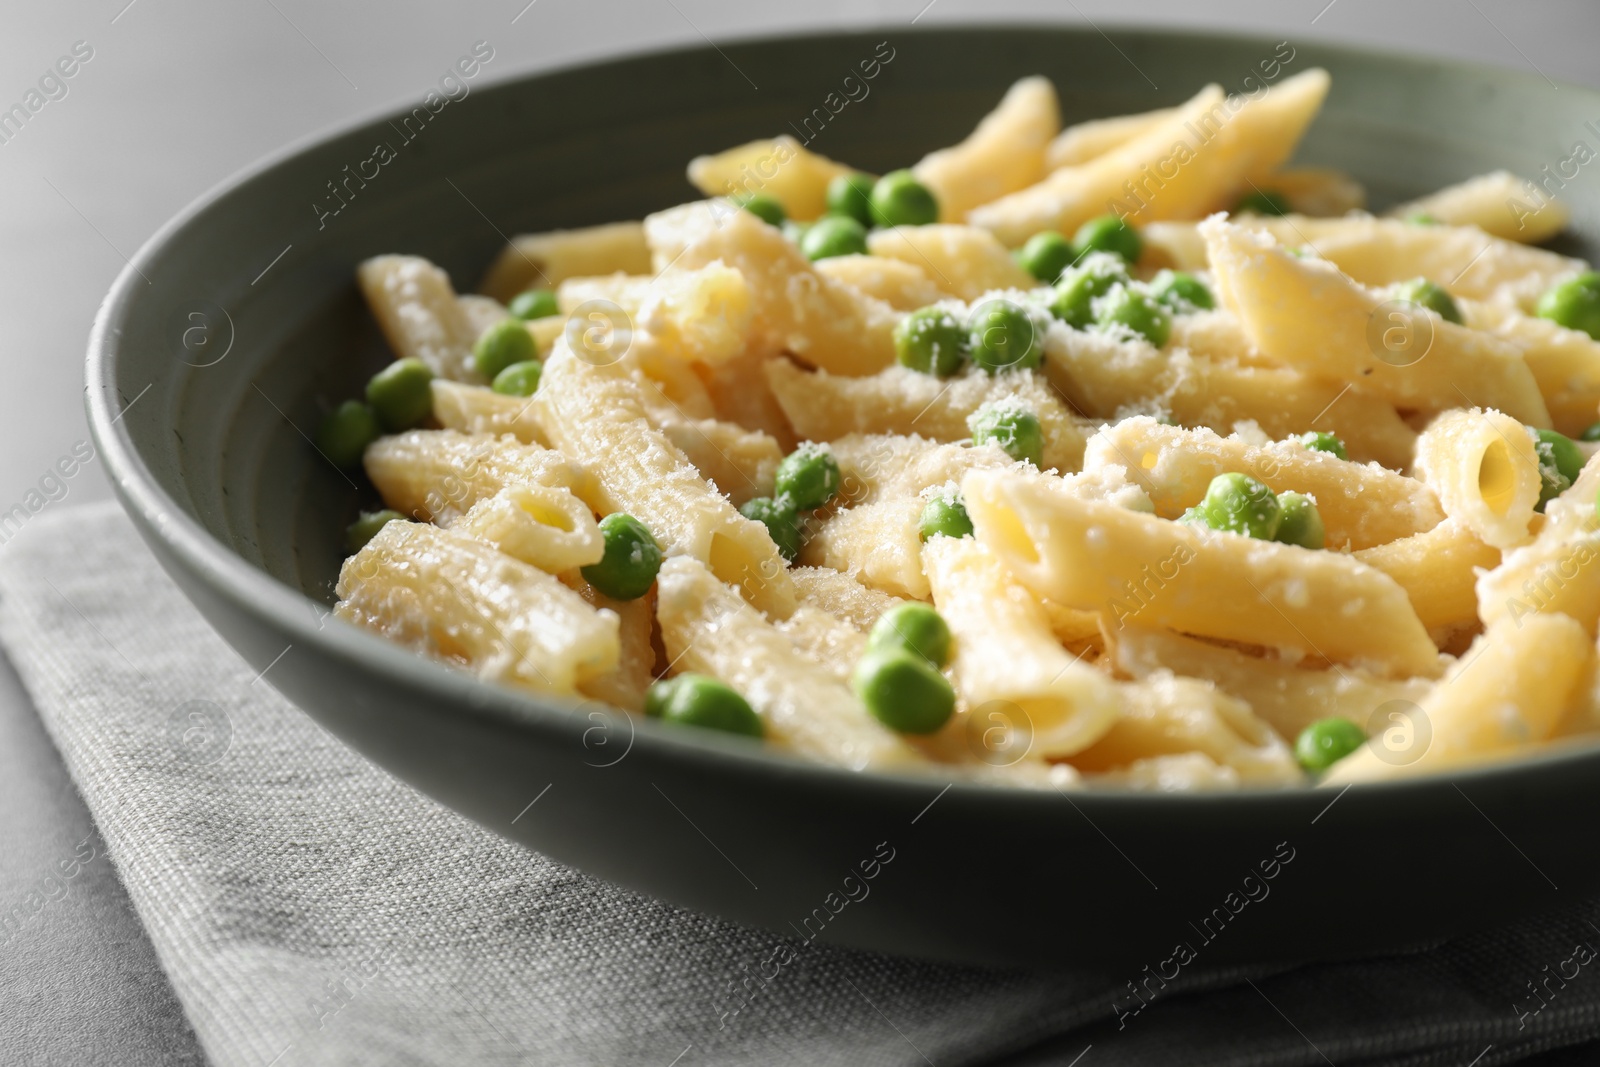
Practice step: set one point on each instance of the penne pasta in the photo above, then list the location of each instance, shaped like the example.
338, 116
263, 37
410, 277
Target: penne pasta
1498, 203
963, 261
1286, 696
545, 260
1005, 153
1125, 566
794, 308
595, 415
824, 407
903, 285
1438, 569
1309, 316
1484, 467
462, 601
707, 627
421, 318
438, 475
1361, 505
1486, 706
780, 168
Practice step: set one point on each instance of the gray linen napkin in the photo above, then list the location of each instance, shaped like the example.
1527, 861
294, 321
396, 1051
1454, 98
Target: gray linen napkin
310, 909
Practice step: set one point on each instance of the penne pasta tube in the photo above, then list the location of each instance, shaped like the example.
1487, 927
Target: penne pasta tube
890, 466
545, 260
903, 285
1468, 262
794, 308
462, 601
477, 409
707, 627
877, 544
1565, 363
421, 318
780, 168
830, 642
1488, 705
1361, 504
1559, 570
963, 261
840, 595
1285, 696
824, 407
1438, 569
1170, 716
1105, 378
740, 463
538, 524
1005, 153
1005, 651
1484, 467
1498, 203
1309, 316
1201, 159
597, 417
624, 685
1128, 567
1083, 141
1320, 192
438, 475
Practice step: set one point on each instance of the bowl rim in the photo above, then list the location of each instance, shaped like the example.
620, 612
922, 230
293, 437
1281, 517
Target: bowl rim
284, 609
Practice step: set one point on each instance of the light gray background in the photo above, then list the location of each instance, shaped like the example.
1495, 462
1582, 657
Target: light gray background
182, 93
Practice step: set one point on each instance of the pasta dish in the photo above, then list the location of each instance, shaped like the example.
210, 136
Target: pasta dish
1122, 454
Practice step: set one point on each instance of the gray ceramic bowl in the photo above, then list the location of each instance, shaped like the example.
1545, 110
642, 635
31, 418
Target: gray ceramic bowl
238, 324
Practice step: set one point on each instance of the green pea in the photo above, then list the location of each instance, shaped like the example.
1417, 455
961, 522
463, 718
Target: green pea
1261, 203
533, 304
1318, 441
345, 434
931, 340
1431, 296
628, 568
1299, 522
1079, 288
945, 516
834, 235
1560, 463
365, 528
401, 394
1239, 504
913, 627
1004, 336
1016, 430
1126, 308
780, 519
700, 700
506, 342
519, 379
850, 195
898, 199
1574, 303
1421, 218
763, 207
1326, 742
808, 476
1591, 433
1109, 234
1181, 291
903, 691
1046, 255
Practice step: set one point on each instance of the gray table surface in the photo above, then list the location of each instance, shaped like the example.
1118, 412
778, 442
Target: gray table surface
178, 95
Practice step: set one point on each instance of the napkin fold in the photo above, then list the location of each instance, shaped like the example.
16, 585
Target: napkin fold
310, 909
